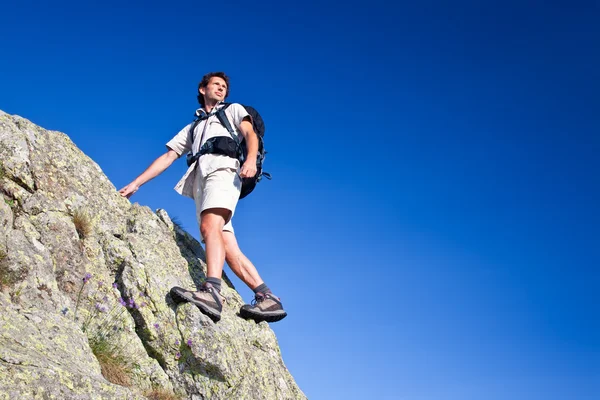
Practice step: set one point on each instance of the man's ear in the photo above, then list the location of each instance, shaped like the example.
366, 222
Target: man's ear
202, 91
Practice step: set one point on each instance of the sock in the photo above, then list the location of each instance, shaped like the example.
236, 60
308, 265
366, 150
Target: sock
262, 288
215, 282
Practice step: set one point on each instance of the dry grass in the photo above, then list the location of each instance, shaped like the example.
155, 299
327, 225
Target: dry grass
160, 394
115, 368
114, 372
177, 223
83, 223
10, 276
4, 273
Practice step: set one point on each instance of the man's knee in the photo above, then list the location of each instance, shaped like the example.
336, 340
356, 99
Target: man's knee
213, 220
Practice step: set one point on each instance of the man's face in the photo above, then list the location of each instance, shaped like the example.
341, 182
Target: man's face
215, 90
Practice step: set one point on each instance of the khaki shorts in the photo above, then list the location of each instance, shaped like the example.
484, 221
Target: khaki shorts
219, 189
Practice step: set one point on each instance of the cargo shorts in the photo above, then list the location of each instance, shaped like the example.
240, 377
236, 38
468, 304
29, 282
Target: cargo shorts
219, 189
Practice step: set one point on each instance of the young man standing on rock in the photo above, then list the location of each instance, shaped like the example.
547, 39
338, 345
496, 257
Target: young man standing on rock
214, 182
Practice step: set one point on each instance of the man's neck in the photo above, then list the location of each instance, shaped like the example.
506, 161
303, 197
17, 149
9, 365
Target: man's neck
209, 106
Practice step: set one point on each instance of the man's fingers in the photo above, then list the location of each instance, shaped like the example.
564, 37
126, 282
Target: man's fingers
127, 191
247, 172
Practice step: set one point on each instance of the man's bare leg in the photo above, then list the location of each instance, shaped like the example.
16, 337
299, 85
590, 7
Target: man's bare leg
211, 227
239, 263
208, 298
268, 307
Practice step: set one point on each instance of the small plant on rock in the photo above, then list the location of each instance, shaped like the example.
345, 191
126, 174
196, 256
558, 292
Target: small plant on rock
104, 324
83, 223
160, 394
177, 222
10, 274
4, 273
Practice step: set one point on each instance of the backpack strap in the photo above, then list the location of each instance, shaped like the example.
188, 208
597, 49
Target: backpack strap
225, 122
201, 116
194, 125
191, 158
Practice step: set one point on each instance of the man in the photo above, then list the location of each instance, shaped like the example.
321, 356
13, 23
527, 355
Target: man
214, 182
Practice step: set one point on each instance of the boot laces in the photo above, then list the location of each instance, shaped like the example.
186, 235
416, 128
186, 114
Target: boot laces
258, 298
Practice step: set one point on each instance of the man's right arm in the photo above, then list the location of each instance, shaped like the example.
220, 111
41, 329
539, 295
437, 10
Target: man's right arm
156, 168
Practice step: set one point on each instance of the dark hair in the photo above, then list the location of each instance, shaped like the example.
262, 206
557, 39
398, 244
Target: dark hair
206, 79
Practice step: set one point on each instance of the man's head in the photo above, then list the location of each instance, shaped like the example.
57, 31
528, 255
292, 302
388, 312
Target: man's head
214, 87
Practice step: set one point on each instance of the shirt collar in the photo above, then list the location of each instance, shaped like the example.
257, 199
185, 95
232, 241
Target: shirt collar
201, 112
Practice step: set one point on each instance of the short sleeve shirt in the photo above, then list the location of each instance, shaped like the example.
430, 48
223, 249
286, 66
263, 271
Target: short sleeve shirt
183, 143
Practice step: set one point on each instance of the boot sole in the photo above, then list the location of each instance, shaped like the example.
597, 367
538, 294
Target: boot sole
180, 298
262, 317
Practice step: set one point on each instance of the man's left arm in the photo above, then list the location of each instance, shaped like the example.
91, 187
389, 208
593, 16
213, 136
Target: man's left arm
249, 167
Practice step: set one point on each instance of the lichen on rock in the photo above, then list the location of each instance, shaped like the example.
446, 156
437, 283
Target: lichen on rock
62, 288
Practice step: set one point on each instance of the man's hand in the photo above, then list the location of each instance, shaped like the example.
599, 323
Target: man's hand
129, 190
155, 169
249, 168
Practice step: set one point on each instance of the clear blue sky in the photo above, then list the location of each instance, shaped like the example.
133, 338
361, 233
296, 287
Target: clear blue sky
433, 224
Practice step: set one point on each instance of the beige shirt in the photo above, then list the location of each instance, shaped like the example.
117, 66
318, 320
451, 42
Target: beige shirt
182, 143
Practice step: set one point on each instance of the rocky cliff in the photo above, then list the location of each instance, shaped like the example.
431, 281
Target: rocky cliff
84, 280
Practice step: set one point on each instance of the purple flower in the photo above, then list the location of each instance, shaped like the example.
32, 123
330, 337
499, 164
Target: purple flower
122, 302
105, 298
177, 342
87, 277
114, 285
101, 308
100, 283
178, 356
156, 326
189, 342
64, 311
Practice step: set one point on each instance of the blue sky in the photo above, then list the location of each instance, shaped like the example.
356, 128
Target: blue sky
432, 225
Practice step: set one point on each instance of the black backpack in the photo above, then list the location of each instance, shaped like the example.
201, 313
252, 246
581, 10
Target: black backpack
234, 148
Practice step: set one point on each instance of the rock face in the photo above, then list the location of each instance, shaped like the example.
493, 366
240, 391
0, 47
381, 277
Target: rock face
84, 280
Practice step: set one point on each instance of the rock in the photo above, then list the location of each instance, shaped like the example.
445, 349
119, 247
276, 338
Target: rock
84, 283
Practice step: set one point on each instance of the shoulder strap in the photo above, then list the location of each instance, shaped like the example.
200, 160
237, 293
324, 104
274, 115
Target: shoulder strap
191, 131
191, 158
225, 122
222, 119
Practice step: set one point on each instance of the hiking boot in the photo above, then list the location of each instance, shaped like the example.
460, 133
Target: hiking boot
265, 307
207, 299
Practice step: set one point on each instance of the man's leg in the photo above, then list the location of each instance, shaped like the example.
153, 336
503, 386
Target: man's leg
216, 197
208, 298
211, 228
267, 306
239, 263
